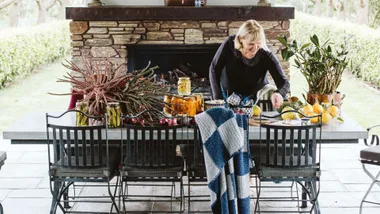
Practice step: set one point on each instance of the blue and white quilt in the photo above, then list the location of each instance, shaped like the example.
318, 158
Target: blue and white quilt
227, 159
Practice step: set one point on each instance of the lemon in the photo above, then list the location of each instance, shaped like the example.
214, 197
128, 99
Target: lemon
289, 115
326, 117
326, 104
333, 110
256, 110
300, 112
314, 119
308, 109
317, 108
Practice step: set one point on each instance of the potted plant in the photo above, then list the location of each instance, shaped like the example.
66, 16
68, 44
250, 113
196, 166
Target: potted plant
322, 65
101, 86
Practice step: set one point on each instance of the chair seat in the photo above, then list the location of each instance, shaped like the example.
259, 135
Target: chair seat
290, 173
287, 161
198, 171
371, 154
154, 170
287, 171
101, 170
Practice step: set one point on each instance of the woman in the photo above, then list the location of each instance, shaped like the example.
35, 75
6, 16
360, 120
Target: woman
241, 65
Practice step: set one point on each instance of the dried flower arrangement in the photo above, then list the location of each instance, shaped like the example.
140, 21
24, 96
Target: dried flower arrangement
101, 84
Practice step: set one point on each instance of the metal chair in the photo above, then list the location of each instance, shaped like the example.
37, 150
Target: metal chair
265, 105
289, 152
264, 96
195, 170
149, 154
79, 154
370, 156
3, 157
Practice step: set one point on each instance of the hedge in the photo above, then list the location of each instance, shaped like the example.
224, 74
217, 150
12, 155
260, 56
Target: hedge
21, 50
363, 45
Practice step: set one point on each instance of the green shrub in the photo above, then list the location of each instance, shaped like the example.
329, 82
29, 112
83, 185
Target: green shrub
21, 50
362, 46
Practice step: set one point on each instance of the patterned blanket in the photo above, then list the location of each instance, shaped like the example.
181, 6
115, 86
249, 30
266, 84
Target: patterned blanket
227, 159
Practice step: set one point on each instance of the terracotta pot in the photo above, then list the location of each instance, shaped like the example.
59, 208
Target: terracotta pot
325, 98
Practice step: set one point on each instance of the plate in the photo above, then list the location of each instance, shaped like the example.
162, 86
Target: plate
253, 122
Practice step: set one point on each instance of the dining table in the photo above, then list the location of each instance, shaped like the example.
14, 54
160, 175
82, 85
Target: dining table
31, 129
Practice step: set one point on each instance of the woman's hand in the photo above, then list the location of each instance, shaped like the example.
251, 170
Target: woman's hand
277, 100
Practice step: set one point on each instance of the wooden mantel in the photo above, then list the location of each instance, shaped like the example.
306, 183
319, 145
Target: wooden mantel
123, 13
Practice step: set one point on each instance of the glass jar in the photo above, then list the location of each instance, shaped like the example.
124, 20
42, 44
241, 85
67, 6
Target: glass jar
199, 102
190, 106
178, 105
114, 114
81, 119
167, 104
184, 86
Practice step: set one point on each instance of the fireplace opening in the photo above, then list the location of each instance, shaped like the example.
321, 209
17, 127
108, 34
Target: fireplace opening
190, 60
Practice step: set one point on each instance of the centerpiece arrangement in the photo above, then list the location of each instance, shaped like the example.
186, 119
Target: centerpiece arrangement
102, 87
322, 65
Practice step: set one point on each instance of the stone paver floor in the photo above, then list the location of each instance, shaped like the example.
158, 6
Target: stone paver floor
24, 183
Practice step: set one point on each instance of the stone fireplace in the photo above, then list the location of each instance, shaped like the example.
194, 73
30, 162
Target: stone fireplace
124, 34
187, 58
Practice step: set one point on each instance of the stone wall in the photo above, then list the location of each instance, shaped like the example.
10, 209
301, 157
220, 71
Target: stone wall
110, 38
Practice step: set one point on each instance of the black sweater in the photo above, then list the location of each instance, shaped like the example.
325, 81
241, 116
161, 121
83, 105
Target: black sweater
244, 76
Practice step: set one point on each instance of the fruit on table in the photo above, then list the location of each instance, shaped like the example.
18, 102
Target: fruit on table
294, 105
289, 115
317, 108
308, 109
333, 110
301, 112
256, 110
313, 119
326, 104
326, 117
327, 110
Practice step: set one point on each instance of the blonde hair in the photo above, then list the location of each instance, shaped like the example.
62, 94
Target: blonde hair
252, 31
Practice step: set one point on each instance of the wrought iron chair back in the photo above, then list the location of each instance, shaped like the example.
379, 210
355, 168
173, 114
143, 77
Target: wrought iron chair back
78, 154
290, 151
370, 156
78, 147
149, 153
301, 141
265, 105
